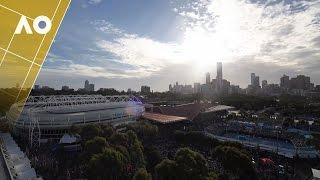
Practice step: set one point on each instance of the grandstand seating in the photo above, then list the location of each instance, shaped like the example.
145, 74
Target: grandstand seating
17, 162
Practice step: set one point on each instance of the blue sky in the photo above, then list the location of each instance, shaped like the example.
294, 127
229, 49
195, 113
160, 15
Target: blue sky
128, 43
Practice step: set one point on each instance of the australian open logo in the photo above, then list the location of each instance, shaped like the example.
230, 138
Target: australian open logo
41, 25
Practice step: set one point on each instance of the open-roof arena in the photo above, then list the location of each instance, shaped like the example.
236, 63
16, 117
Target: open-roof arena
49, 117
264, 138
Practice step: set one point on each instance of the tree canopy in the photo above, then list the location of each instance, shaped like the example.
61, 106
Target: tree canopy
110, 163
235, 162
142, 174
187, 164
95, 146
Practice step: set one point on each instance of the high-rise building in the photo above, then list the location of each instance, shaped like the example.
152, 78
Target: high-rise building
300, 82
234, 89
86, 83
264, 84
255, 80
207, 78
219, 70
145, 89
88, 87
170, 88
285, 82
196, 88
225, 86
179, 88
253, 76
65, 88
219, 79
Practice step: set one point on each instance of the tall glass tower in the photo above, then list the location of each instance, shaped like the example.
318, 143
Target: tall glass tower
219, 77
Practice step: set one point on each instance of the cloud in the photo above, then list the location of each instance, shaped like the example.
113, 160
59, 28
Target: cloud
94, 1
106, 27
219, 30
282, 36
145, 54
86, 3
95, 66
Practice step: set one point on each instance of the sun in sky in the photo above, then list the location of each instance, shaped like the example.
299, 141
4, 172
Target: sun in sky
156, 39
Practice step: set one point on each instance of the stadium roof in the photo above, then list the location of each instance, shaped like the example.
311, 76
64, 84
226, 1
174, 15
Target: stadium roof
163, 119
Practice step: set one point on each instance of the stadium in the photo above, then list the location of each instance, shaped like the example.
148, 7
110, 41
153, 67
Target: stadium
272, 139
49, 117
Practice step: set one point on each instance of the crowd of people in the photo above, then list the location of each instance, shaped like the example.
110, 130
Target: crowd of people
258, 130
53, 164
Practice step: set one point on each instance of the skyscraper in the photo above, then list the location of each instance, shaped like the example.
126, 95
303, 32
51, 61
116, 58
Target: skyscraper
219, 77
285, 82
86, 84
253, 76
300, 82
88, 87
145, 89
264, 84
219, 70
196, 87
208, 78
255, 80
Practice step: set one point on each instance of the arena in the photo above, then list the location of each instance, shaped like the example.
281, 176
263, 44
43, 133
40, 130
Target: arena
49, 117
266, 137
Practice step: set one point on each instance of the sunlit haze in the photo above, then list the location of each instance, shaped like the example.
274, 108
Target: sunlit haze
127, 44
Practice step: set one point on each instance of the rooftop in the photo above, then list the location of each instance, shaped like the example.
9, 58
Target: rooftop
219, 108
316, 173
163, 119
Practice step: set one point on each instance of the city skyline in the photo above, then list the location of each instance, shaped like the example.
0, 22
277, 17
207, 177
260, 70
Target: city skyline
195, 87
172, 41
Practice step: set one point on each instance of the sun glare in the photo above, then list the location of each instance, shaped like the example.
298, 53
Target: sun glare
225, 37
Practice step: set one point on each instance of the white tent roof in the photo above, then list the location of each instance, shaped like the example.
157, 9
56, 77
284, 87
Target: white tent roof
68, 139
316, 173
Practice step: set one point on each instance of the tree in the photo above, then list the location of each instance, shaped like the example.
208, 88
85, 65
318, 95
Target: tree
187, 165
90, 131
142, 174
248, 102
132, 137
123, 151
136, 155
119, 139
109, 164
152, 156
235, 162
107, 131
191, 165
212, 176
144, 130
135, 149
167, 170
95, 146
195, 138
